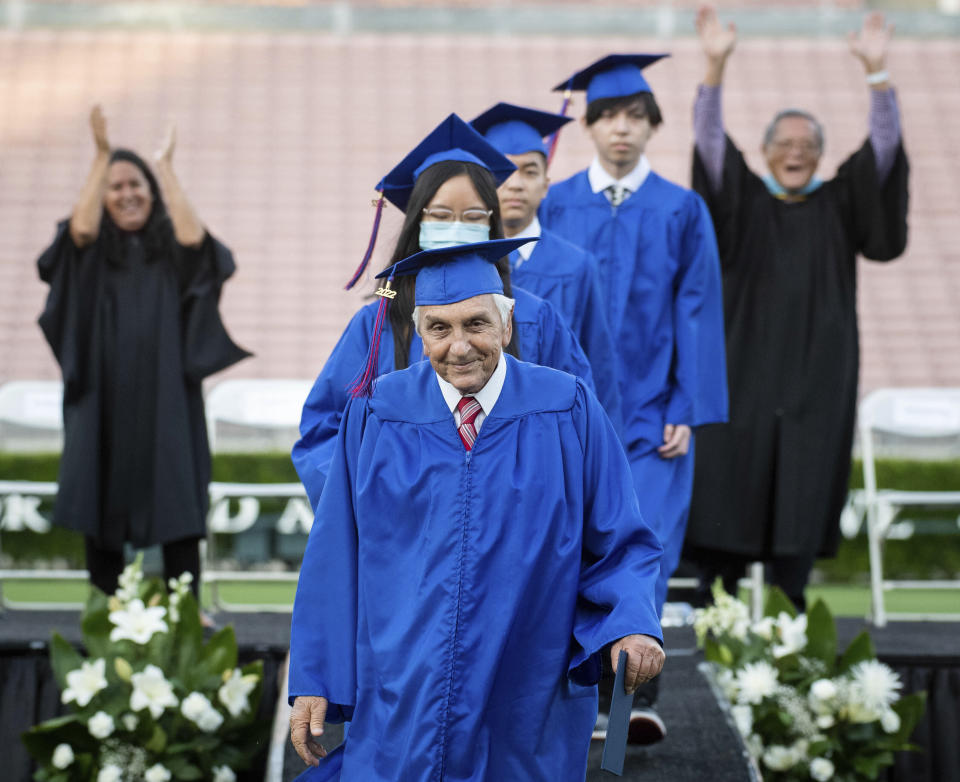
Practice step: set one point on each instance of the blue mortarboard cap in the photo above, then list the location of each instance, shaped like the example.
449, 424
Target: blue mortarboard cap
452, 139
451, 274
614, 76
515, 130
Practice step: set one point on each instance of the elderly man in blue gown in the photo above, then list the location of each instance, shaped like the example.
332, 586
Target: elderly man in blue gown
478, 545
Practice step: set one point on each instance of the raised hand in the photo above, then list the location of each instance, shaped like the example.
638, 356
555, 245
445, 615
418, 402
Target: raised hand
871, 44
717, 41
98, 124
165, 153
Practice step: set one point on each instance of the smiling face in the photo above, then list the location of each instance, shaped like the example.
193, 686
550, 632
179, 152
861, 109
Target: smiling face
620, 135
464, 340
793, 152
521, 194
128, 199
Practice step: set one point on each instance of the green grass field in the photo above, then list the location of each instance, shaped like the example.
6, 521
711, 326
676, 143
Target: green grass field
842, 599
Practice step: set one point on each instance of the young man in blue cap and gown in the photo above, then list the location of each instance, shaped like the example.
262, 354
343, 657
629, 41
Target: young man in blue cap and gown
541, 336
660, 277
478, 544
552, 268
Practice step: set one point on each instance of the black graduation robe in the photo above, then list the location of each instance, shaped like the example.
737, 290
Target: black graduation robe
134, 339
772, 482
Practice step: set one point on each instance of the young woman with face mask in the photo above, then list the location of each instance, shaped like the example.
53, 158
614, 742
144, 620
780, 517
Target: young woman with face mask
132, 318
449, 196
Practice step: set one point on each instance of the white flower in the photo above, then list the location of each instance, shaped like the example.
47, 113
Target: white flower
743, 717
151, 691
197, 708
823, 690
890, 721
825, 721
792, 633
157, 773
779, 758
62, 756
234, 692
137, 622
821, 769
727, 683
110, 773
85, 682
875, 685
223, 774
755, 745
764, 628
100, 725
130, 722
756, 681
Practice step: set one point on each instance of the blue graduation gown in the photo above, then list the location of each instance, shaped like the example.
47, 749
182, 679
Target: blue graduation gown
452, 605
660, 278
542, 338
566, 276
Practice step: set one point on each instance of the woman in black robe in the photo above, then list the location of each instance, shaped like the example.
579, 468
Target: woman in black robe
132, 318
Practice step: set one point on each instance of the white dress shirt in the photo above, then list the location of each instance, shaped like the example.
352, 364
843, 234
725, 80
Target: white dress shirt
600, 179
532, 231
486, 396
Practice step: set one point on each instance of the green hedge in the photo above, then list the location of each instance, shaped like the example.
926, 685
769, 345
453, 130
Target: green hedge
921, 556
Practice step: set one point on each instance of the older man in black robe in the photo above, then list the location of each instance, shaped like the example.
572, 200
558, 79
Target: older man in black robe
770, 484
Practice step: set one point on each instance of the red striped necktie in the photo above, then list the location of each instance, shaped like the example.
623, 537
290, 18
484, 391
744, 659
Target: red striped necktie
469, 409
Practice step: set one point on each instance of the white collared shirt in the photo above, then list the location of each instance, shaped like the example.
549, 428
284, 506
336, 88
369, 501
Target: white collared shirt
600, 179
486, 396
532, 231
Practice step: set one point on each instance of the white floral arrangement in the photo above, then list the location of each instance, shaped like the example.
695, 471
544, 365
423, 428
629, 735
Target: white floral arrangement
805, 712
152, 702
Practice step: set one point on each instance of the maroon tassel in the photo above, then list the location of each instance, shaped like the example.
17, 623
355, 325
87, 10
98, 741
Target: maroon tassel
556, 136
373, 242
363, 385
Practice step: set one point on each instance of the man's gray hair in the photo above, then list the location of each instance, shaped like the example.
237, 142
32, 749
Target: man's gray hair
504, 306
785, 114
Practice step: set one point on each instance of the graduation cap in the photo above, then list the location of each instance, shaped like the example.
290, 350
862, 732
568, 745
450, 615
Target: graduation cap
452, 139
515, 130
444, 276
613, 76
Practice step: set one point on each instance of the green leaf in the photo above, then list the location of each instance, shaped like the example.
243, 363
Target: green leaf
158, 741
189, 637
822, 635
870, 765
63, 659
220, 653
41, 740
96, 624
910, 709
717, 653
860, 649
777, 601
188, 772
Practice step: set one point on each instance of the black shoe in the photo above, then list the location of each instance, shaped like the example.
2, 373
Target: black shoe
646, 727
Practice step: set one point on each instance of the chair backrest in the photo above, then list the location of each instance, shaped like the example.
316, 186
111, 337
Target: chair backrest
255, 414
916, 415
31, 414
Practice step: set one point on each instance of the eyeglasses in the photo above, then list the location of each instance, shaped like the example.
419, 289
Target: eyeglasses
805, 146
443, 215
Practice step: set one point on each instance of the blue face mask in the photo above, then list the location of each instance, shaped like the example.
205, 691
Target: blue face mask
434, 235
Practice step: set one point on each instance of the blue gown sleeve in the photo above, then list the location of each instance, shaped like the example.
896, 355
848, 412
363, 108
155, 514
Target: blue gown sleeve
320, 420
621, 554
597, 341
699, 389
558, 347
323, 629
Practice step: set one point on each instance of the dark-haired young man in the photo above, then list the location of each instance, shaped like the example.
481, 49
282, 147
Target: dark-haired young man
660, 277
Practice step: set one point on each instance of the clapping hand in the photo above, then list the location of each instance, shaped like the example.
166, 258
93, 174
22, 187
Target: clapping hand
165, 153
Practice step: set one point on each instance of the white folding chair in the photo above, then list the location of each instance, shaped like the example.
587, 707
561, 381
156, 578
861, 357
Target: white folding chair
31, 415
259, 414
925, 420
